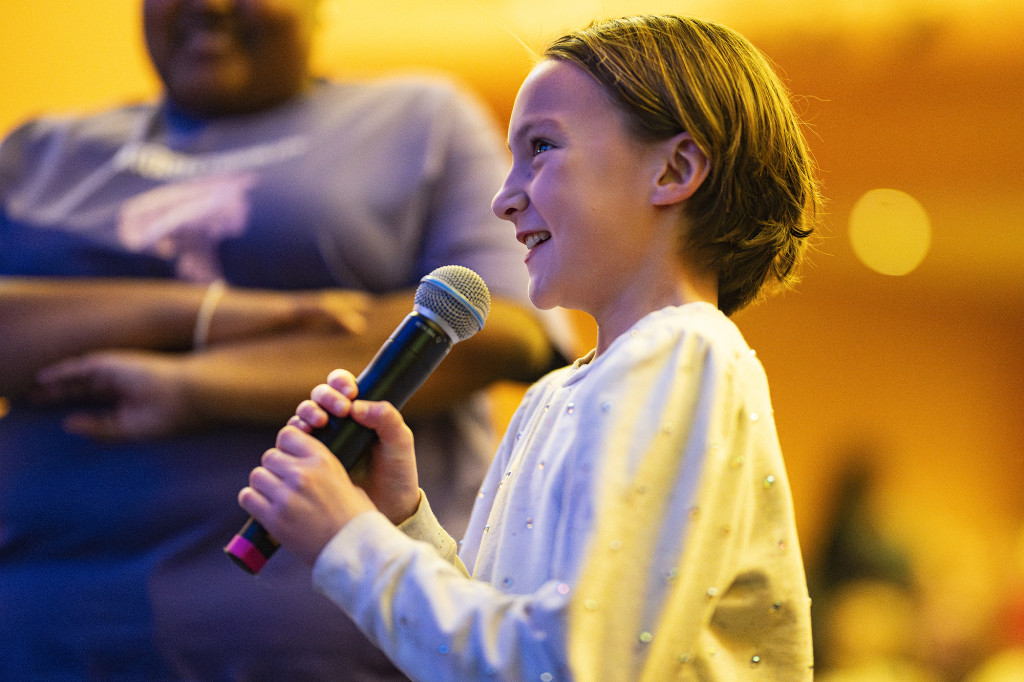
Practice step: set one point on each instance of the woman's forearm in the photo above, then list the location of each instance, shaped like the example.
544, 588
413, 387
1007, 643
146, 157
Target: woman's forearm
275, 373
271, 347
45, 320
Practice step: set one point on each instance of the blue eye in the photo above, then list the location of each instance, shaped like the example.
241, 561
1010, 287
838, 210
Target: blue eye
539, 146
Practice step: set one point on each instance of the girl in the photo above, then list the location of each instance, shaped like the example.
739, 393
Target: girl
636, 522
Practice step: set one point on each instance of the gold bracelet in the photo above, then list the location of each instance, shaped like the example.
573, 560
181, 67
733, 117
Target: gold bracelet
205, 316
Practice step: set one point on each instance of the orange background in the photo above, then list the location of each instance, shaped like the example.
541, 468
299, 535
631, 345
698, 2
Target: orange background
919, 376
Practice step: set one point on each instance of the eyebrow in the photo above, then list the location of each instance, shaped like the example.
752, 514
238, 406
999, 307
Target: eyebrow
526, 130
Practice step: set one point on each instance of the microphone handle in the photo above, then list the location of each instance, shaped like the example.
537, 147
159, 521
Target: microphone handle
403, 363
399, 368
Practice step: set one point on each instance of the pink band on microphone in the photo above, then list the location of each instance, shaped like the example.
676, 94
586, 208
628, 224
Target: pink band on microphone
246, 554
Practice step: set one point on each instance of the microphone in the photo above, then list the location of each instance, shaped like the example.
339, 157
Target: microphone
451, 305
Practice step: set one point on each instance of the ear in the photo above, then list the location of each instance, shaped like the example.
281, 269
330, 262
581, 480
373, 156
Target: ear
681, 170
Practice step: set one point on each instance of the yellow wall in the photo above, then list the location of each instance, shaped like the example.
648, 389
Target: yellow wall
69, 56
927, 386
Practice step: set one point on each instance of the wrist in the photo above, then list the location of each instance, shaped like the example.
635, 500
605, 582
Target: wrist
408, 509
331, 310
204, 316
193, 376
233, 314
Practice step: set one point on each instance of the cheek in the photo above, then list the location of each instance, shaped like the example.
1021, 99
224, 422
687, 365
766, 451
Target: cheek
292, 20
157, 22
154, 9
556, 198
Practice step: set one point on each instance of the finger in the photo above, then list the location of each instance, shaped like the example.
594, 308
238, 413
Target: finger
91, 367
311, 413
87, 377
293, 443
343, 381
299, 423
100, 425
277, 462
263, 480
351, 321
270, 478
331, 399
269, 475
387, 421
253, 501
62, 381
59, 371
348, 310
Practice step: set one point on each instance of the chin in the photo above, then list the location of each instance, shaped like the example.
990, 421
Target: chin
542, 299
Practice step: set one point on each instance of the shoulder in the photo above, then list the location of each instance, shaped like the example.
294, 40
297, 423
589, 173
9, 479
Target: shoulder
685, 356
109, 122
112, 126
540, 388
695, 333
91, 138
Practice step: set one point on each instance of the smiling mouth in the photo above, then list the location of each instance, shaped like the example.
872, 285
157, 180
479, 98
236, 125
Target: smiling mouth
536, 238
209, 42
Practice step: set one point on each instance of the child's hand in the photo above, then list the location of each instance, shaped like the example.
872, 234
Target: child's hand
390, 479
335, 397
302, 493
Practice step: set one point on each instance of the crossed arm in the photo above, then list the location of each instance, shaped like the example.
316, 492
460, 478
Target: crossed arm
126, 346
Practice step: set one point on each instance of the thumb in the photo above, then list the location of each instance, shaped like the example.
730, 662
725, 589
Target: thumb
394, 435
103, 425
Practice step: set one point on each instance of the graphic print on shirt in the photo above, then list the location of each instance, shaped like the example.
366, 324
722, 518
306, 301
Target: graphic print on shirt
186, 221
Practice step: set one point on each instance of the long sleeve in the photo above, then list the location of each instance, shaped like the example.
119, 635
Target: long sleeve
432, 620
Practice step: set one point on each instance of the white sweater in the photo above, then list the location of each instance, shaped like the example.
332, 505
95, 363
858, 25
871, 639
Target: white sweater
636, 524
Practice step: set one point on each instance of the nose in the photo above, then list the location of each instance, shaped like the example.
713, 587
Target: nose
509, 201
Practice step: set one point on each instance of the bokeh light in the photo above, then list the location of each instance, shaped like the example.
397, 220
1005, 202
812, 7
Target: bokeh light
890, 231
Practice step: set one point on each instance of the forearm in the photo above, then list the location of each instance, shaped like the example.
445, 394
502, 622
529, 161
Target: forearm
46, 320
260, 381
432, 620
275, 373
263, 379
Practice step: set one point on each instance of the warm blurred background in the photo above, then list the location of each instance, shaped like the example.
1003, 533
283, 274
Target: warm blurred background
896, 366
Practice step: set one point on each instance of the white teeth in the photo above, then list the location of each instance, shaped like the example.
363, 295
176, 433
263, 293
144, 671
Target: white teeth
536, 238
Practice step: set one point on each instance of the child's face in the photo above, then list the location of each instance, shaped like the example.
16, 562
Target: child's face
577, 192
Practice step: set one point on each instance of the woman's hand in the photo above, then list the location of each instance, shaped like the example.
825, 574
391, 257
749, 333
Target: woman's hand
123, 395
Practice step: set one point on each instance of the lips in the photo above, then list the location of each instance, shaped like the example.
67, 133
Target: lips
209, 42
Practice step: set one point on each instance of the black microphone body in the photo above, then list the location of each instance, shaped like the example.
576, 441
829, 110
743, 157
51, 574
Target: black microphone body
400, 367
403, 363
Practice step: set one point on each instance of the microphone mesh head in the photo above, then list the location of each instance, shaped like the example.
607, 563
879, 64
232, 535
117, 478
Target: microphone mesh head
456, 298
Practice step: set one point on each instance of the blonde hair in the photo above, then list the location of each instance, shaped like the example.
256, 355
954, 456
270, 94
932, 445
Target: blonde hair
669, 74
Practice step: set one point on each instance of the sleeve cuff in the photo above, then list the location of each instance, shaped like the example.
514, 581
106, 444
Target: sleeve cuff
424, 526
345, 551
